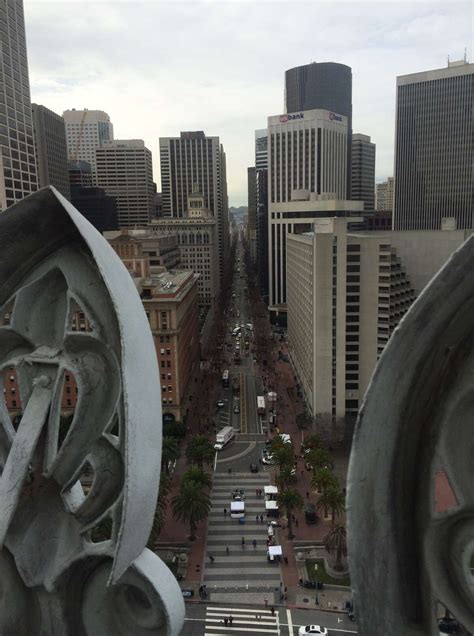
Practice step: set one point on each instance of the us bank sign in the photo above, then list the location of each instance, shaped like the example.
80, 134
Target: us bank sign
292, 117
335, 117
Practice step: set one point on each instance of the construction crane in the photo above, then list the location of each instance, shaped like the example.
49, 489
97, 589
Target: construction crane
73, 156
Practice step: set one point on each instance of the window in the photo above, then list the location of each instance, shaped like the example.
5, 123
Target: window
168, 352
162, 351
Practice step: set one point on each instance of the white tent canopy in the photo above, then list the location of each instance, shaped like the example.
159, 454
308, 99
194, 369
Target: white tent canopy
275, 550
270, 490
271, 505
237, 506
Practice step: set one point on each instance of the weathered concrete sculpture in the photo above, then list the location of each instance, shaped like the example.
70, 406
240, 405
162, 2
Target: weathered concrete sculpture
417, 418
54, 578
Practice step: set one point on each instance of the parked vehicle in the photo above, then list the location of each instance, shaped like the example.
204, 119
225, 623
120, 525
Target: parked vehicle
223, 437
236, 408
310, 515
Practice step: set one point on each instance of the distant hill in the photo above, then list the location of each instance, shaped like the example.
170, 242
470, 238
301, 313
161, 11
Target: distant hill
238, 213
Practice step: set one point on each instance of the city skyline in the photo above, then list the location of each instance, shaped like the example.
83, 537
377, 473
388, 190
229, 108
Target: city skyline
121, 46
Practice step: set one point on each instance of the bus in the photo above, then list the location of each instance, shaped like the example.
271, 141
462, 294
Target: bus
261, 405
225, 378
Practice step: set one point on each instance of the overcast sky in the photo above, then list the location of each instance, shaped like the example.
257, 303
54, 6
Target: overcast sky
161, 67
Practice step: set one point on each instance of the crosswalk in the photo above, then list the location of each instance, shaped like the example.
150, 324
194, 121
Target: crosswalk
244, 622
239, 572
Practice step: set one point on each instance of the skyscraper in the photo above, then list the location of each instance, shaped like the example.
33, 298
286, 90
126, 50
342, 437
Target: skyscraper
323, 85
252, 213
434, 148
261, 149
307, 154
17, 153
86, 130
49, 134
194, 162
363, 171
124, 171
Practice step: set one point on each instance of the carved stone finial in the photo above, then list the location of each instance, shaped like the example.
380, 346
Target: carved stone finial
417, 420
72, 559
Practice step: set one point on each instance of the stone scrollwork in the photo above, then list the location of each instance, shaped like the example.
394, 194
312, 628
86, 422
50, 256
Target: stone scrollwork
410, 559
72, 559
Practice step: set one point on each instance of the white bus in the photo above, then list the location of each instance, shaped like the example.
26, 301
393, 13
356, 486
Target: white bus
261, 405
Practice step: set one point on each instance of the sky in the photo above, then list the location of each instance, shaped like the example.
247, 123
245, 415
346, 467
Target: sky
158, 68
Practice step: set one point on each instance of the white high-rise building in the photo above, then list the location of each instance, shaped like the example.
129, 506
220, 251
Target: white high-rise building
18, 176
86, 130
125, 171
307, 179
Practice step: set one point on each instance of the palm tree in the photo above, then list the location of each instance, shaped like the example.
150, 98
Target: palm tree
323, 479
312, 441
334, 500
160, 510
319, 458
290, 500
200, 451
335, 543
169, 452
198, 476
283, 456
191, 505
285, 477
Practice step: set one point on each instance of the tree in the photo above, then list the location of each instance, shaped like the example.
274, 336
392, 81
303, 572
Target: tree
191, 505
311, 442
283, 456
290, 500
319, 458
200, 451
169, 452
335, 543
198, 476
324, 479
332, 499
285, 477
174, 429
160, 510
303, 421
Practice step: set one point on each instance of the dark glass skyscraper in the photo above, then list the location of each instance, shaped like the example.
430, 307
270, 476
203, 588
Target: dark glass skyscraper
434, 148
363, 171
326, 85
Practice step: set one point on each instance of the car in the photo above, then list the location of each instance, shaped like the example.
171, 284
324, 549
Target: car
312, 629
236, 409
220, 404
253, 468
268, 459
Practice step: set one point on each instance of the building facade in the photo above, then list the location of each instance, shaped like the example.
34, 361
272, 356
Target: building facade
347, 292
96, 206
363, 171
18, 176
326, 86
125, 171
49, 134
195, 162
252, 213
307, 178
384, 195
261, 149
434, 149
86, 130
261, 194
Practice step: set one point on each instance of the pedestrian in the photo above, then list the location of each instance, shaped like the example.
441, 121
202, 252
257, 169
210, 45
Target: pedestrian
231, 619
272, 610
285, 559
265, 602
225, 512
227, 550
254, 543
286, 589
257, 518
211, 558
243, 542
261, 518
293, 518
307, 495
302, 473
226, 620
281, 585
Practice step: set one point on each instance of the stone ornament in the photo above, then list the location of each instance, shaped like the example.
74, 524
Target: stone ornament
409, 561
72, 558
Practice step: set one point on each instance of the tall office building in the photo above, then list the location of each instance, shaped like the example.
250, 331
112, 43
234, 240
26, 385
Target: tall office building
49, 134
261, 188
87, 130
193, 162
125, 171
17, 153
307, 178
252, 213
261, 149
384, 195
326, 86
434, 148
363, 171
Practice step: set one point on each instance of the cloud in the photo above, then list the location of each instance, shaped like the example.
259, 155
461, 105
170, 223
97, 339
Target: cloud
158, 68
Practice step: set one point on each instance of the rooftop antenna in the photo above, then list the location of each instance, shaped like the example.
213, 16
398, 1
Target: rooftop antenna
448, 60
465, 54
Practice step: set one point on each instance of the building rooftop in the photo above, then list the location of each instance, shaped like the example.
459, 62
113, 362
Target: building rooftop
167, 285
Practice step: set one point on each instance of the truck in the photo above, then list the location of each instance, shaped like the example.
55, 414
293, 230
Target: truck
223, 437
